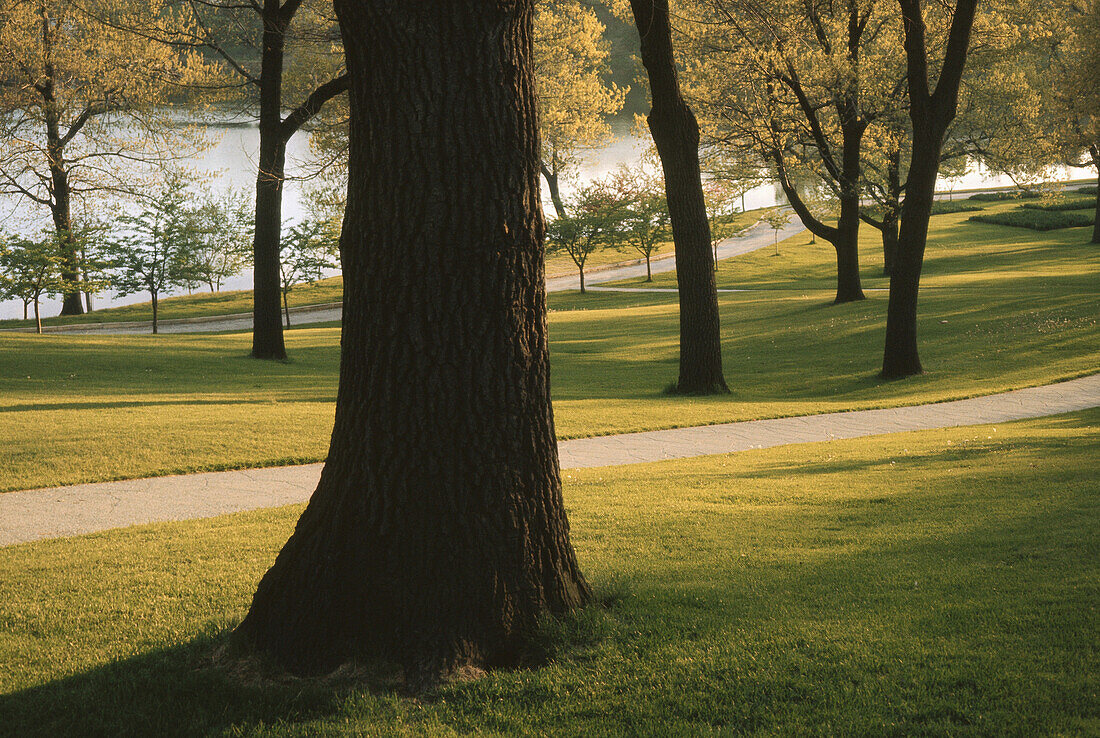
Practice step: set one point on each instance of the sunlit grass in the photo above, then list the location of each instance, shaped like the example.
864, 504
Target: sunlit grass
935, 583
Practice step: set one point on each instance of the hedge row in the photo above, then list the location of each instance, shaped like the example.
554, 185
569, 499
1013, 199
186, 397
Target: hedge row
1000, 196
943, 207
1036, 220
1078, 203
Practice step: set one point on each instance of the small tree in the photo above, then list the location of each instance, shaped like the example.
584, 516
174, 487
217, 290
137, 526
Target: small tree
224, 235
307, 250
777, 218
156, 253
30, 269
720, 198
645, 220
597, 221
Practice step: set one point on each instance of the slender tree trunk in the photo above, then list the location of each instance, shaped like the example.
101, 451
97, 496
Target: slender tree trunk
267, 326
901, 358
931, 113
555, 191
37, 317
437, 537
580, 268
70, 258
286, 308
848, 285
892, 215
1095, 150
155, 323
676, 134
649, 269
890, 225
26, 306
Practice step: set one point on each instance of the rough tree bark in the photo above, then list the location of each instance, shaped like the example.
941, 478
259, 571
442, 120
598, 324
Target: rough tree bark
676, 133
437, 536
931, 112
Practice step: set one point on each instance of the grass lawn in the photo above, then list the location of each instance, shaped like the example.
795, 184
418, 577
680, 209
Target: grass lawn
1002, 309
934, 583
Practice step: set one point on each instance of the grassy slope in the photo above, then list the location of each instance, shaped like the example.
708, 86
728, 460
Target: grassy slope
941, 582
1019, 312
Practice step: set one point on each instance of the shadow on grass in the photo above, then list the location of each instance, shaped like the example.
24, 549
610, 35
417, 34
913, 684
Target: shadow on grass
182, 690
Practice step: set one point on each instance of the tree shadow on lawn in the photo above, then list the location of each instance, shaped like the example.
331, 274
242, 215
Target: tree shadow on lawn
795, 668
183, 690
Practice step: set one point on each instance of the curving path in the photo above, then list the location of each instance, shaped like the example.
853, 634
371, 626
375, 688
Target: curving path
85, 508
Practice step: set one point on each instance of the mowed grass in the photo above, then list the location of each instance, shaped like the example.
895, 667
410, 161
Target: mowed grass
933, 583
1001, 310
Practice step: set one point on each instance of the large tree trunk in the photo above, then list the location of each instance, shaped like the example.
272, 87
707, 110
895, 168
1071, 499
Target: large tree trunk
676, 135
437, 536
267, 324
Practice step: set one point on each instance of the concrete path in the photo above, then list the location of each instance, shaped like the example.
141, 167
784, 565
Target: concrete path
757, 237
85, 508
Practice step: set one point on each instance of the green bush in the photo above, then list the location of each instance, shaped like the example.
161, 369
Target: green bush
1001, 196
943, 207
1087, 191
1077, 203
1036, 220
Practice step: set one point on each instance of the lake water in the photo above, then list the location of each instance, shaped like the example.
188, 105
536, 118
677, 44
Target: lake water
231, 162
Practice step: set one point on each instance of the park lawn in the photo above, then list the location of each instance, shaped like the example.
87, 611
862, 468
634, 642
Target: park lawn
93, 408
935, 583
959, 253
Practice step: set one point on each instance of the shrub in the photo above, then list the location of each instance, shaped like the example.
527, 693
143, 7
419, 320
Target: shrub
1036, 220
1061, 205
1000, 196
943, 207
1087, 190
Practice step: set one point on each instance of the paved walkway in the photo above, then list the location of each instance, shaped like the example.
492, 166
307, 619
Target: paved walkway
757, 237
85, 508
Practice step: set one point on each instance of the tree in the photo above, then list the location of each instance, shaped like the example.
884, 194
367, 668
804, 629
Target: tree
676, 135
223, 238
790, 83
931, 110
720, 197
777, 218
574, 100
1071, 100
276, 31
437, 537
83, 100
596, 223
643, 220
30, 269
308, 249
155, 252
